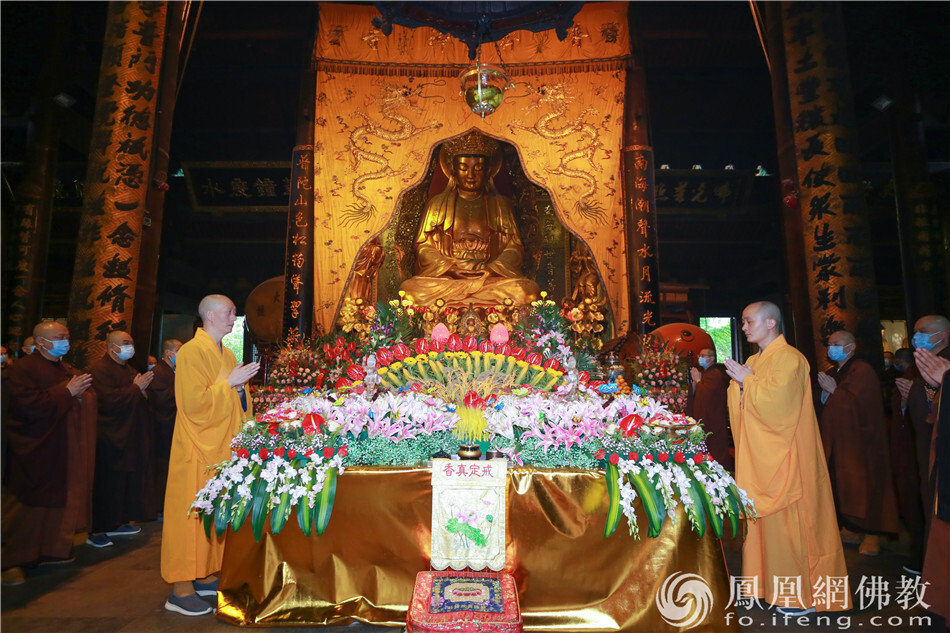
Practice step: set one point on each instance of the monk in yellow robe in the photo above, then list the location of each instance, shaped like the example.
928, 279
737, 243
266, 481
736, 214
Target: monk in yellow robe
209, 390
781, 465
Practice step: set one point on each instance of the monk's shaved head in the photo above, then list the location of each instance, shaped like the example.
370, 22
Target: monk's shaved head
171, 345
46, 329
768, 310
932, 323
210, 304
119, 337
841, 337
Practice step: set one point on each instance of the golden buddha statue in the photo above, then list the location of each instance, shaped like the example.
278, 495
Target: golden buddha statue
468, 250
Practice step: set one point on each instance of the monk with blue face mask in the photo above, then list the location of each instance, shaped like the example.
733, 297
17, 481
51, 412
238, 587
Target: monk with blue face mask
123, 444
854, 437
50, 428
932, 333
708, 405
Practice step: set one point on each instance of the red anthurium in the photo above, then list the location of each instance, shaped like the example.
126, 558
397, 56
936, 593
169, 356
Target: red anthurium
630, 424
312, 423
340, 343
600, 454
384, 356
593, 384
469, 344
279, 451
504, 349
343, 382
678, 457
401, 351
519, 353
485, 347
437, 346
614, 459
264, 453
534, 358
551, 363
415, 387
355, 372
454, 344
291, 453
422, 346
343, 452
472, 399
327, 452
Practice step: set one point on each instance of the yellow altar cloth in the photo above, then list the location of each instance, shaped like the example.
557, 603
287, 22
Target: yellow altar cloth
569, 576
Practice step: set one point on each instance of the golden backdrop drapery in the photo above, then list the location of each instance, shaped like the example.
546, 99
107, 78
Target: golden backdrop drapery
383, 103
569, 576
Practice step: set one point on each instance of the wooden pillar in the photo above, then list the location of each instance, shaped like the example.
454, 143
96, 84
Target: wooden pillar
797, 311
639, 203
148, 306
917, 205
838, 263
298, 269
117, 181
34, 197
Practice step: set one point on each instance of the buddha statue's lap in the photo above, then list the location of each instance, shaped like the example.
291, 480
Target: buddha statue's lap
468, 250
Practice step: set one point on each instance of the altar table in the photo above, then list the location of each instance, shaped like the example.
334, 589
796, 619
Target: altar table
569, 577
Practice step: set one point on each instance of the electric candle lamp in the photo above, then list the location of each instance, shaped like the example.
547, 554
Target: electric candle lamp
440, 333
499, 334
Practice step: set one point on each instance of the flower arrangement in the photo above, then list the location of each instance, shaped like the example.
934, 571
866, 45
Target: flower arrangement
290, 456
387, 395
660, 370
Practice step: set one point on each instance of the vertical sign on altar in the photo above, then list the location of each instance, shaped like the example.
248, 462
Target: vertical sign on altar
298, 269
120, 156
468, 514
834, 213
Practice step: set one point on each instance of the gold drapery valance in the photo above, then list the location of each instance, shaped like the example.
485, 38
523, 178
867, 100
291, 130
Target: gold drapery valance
383, 103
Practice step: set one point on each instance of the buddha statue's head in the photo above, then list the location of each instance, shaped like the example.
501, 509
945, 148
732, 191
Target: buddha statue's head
471, 161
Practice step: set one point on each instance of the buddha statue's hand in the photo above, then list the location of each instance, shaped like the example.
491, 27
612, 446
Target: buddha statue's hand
472, 274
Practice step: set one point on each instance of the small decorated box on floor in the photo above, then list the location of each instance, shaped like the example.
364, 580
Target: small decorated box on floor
453, 601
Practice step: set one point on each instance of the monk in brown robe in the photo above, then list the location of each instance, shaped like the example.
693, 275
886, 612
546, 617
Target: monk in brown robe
781, 465
123, 443
904, 460
855, 441
932, 333
936, 571
161, 399
50, 429
709, 404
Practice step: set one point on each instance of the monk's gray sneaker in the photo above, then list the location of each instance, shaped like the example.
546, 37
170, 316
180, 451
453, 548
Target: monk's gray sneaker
187, 605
